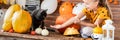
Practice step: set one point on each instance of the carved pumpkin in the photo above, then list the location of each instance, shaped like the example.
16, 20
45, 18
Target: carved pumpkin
7, 25
64, 18
66, 8
21, 21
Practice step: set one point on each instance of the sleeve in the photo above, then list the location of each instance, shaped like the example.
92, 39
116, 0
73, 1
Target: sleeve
103, 13
78, 8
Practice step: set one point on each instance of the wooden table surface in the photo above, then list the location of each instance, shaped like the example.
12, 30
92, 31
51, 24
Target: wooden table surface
52, 36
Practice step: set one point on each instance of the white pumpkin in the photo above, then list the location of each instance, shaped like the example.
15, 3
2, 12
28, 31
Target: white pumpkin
77, 9
45, 32
38, 30
49, 5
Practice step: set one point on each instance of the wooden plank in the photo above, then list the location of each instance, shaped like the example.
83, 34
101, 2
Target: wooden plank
52, 36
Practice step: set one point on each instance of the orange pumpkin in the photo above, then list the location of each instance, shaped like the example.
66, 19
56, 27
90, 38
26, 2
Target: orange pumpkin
110, 1
65, 11
66, 8
21, 21
116, 2
0, 1
64, 18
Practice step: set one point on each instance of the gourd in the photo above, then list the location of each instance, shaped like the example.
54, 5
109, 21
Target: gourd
21, 21
7, 25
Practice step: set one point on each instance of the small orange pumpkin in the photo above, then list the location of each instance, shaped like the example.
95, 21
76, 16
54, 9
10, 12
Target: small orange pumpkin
116, 2
66, 8
110, 1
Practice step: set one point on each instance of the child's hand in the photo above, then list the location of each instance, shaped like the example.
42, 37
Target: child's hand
56, 26
77, 21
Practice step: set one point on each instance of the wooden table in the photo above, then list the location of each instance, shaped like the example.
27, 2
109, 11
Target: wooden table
51, 36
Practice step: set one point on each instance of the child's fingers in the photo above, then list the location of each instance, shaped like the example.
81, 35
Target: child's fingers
76, 21
52, 26
56, 26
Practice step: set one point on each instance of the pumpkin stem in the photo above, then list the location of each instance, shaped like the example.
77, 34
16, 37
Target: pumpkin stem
45, 27
39, 26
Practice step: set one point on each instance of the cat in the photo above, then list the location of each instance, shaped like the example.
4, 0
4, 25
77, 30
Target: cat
38, 18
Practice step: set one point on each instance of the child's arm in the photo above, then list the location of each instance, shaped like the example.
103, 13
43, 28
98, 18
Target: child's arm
87, 24
69, 22
103, 15
98, 21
